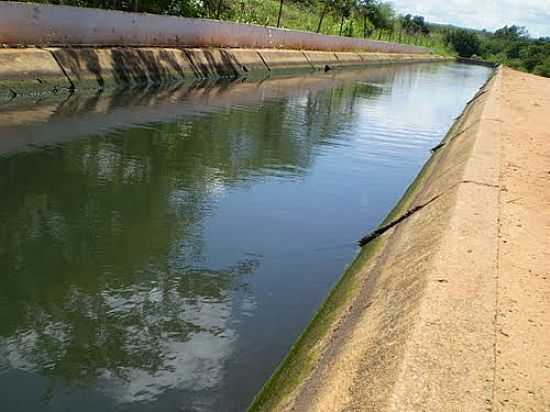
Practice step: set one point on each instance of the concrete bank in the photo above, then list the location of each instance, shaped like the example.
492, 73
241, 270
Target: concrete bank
53, 70
56, 119
448, 310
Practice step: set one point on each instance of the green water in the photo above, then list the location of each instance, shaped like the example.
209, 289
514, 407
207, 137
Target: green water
160, 250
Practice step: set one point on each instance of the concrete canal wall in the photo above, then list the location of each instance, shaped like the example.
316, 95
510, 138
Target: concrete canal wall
449, 309
56, 119
48, 48
45, 70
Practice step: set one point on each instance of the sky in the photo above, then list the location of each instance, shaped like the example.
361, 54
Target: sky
482, 14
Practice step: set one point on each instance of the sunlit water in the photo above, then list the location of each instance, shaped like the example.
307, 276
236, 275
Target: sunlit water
161, 250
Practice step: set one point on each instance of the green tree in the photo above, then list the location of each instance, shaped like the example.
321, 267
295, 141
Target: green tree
364, 10
344, 8
512, 33
280, 12
327, 6
465, 43
543, 69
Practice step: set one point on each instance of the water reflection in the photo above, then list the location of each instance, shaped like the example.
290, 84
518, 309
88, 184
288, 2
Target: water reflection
139, 266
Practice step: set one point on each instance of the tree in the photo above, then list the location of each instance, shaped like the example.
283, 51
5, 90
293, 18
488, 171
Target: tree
464, 42
414, 24
376, 15
543, 69
364, 9
512, 33
280, 13
532, 56
344, 8
327, 6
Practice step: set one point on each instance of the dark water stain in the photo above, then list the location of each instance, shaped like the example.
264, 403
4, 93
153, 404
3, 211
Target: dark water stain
161, 250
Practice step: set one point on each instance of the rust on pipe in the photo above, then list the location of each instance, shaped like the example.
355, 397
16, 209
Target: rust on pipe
49, 25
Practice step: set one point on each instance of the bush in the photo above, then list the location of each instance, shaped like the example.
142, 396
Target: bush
543, 69
464, 42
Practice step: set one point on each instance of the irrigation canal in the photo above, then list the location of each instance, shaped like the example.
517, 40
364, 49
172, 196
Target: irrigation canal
162, 249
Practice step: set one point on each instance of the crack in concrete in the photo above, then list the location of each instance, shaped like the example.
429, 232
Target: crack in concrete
454, 136
497, 267
384, 228
309, 61
436, 148
477, 96
481, 184
263, 60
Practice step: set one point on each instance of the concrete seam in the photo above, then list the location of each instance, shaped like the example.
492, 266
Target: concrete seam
497, 277
262, 58
307, 58
72, 87
383, 229
436, 148
13, 94
477, 96
196, 69
484, 89
481, 183
464, 130
450, 139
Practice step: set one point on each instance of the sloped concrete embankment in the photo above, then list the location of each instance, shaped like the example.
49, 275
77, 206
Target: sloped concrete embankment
449, 309
45, 70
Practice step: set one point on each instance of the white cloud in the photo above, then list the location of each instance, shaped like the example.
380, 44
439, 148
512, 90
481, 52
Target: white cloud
483, 14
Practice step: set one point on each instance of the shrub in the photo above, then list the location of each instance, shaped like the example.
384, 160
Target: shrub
464, 42
543, 69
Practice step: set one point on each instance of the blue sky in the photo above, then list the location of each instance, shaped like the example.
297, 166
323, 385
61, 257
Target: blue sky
482, 14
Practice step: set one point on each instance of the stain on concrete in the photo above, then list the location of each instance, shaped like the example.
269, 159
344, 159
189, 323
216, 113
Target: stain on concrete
53, 70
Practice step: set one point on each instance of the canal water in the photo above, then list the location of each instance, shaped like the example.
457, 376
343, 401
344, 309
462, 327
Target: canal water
160, 250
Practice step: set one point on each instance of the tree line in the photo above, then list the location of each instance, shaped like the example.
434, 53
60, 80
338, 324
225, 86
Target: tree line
353, 18
510, 45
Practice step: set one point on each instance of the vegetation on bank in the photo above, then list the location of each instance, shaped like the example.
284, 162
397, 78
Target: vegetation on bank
373, 19
510, 45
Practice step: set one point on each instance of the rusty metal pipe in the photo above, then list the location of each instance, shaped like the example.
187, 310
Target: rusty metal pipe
49, 25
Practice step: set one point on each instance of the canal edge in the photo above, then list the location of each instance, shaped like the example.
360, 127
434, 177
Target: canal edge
35, 71
295, 384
